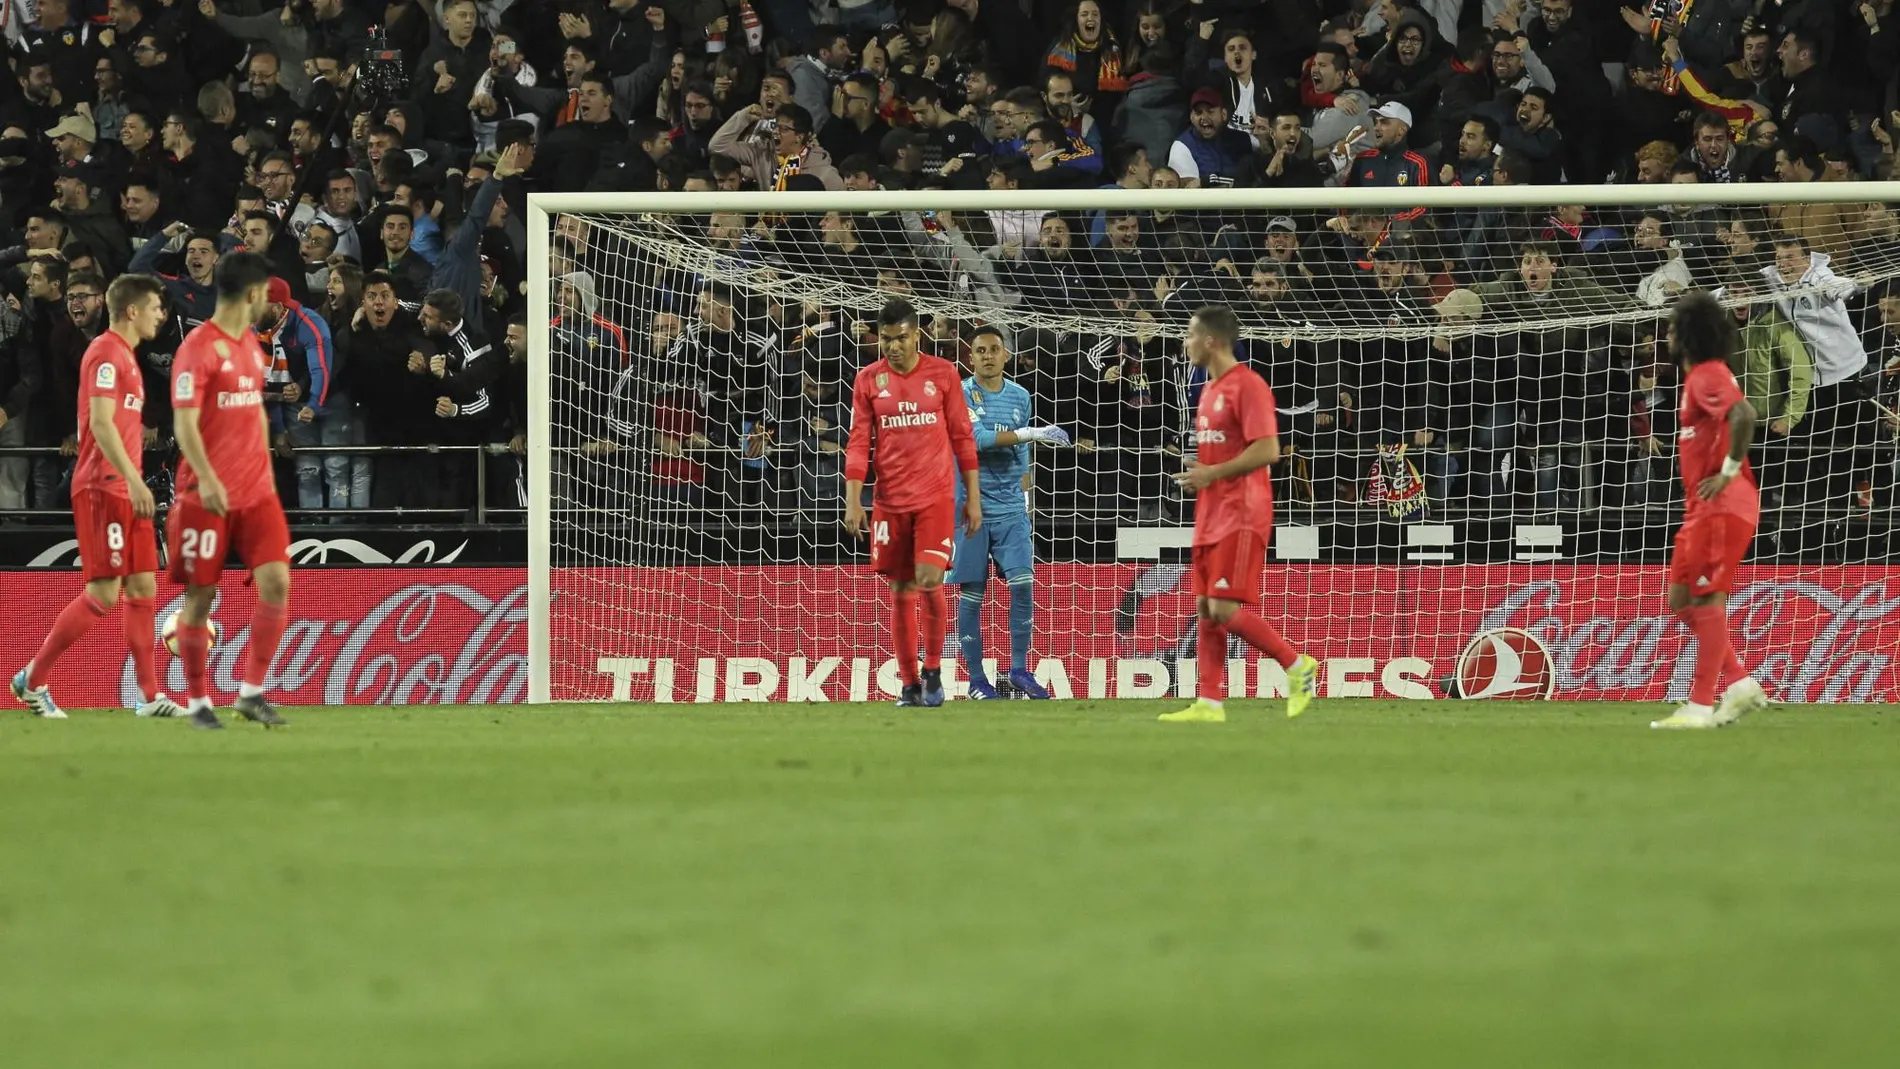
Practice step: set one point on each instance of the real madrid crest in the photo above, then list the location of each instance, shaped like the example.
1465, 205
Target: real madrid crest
883, 380
930, 387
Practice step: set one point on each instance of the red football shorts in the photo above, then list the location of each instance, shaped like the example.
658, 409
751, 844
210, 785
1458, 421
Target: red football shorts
113, 543
197, 542
1231, 568
1708, 549
900, 541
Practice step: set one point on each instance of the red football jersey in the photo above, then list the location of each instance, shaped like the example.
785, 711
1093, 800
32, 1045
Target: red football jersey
1236, 410
1707, 395
110, 370
223, 378
919, 428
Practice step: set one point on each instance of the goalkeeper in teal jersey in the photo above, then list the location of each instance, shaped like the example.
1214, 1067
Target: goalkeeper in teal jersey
999, 412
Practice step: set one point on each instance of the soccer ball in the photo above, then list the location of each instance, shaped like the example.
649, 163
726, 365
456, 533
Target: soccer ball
170, 633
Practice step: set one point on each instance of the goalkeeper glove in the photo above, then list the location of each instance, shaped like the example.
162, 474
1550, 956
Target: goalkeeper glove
1049, 435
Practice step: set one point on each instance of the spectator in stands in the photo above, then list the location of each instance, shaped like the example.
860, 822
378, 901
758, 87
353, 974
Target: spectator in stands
1088, 52
1777, 375
20, 381
389, 372
1809, 89
1285, 157
1048, 276
1339, 106
1553, 368
1655, 162
1668, 275
267, 105
1809, 294
1208, 153
1823, 227
206, 173
858, 128
404, 264
1411, 70
464, 366
1057, 158
793, 149
90, 218
144, 211
1389, 163
1156, 107
1534, 134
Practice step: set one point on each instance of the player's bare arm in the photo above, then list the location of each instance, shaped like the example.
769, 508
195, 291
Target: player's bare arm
1260, 453
191, 443
972, 503
1741, 432
854, 508
99, 418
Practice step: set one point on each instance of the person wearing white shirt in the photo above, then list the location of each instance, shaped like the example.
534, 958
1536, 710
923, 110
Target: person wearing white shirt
1812, 297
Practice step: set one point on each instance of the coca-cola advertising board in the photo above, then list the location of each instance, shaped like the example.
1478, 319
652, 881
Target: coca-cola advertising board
1810, 634
400, 636
357, 636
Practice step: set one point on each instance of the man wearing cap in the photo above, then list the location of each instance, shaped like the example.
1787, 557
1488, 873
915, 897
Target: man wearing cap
1390, 163
303, 376
1209, 153
73, 139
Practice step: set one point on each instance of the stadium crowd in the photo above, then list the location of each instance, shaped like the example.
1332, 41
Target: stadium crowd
386, 173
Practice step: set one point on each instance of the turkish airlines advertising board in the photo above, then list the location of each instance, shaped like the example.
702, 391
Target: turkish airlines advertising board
398, 636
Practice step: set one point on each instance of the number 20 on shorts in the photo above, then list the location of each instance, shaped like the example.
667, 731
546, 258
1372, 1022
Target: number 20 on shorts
197, 545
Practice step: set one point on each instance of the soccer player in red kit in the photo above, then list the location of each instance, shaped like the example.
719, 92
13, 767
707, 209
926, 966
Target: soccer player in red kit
227, 497
908, 409
112, 509
1236, 437
1720, 510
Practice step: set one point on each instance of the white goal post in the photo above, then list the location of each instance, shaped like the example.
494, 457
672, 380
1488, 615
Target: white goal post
1422, 509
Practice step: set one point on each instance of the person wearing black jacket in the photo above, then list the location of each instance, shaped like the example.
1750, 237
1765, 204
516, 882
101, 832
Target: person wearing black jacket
465, 367
632, 166
1248, 91
204, 173
447, 72
568, 155
19, 385
388, 374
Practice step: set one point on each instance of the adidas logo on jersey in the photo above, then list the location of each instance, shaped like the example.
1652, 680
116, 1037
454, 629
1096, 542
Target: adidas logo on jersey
1220, 584
883, 393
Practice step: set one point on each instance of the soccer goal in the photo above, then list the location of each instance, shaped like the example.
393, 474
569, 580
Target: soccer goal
1475, 397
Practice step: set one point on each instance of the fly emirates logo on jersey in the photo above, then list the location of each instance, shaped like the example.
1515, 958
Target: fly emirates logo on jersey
908, 415
247, 395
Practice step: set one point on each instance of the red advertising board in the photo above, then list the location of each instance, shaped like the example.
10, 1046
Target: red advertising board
1810, 634
357, 636
438, 635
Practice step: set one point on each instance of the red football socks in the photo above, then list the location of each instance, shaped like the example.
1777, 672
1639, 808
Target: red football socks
138, 638
1714, 650
932, 602
1260, 635
73, 621
194, 648
904, 634
267, 630
1210, 658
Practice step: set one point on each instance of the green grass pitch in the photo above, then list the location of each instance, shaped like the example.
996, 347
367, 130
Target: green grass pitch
1013, 884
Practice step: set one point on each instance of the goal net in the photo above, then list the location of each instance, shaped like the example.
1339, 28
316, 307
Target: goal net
1475, 397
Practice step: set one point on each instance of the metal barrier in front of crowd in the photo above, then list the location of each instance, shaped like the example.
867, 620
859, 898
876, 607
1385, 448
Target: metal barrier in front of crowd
480, 507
